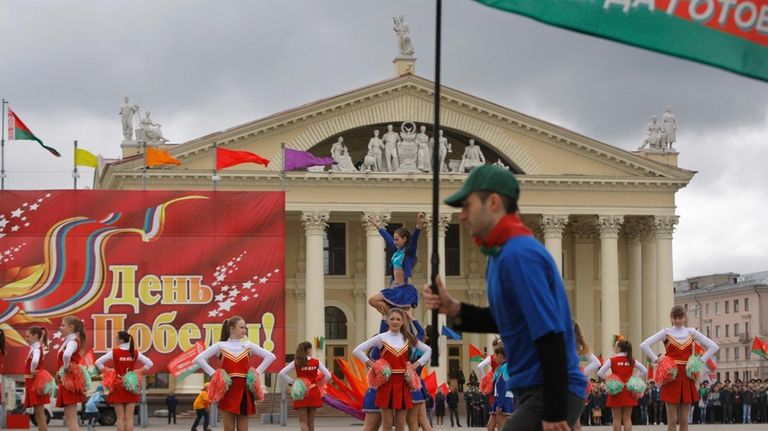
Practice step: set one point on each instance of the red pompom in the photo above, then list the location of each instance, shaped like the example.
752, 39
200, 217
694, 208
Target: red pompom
412, 377
666, 371
44, 384
219, 385
254, 384
486, 384
108, 378
379, 373
72, 379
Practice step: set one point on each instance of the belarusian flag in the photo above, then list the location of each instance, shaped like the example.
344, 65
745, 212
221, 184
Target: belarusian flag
730, 34
760, 348
18, 131
475, 354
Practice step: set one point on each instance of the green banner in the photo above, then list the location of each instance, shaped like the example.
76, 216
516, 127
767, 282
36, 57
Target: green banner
729, 34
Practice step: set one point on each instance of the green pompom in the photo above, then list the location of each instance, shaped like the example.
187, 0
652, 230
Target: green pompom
387, 372
131, 382
299, 390
694, 366
636, 385
250, 378
614, 386
86, 379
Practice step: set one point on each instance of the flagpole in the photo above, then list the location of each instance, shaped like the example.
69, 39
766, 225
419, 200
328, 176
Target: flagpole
215, 178
282, 171
75, 175
144, 168
436, 168
2, 150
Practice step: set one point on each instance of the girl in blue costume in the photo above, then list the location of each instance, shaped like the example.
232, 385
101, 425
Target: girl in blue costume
401, 293
371, 410
503, 403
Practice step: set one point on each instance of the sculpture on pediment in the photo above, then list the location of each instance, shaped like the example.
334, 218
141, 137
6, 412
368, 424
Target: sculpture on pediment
127, 111
403, 36
407, 149
472, 158
424, 156
391, 138
669, 125
152, 132
373, 160
653, 132
340, 153
444, 147
501, 164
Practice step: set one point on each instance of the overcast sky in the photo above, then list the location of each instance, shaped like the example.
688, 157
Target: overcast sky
202, 66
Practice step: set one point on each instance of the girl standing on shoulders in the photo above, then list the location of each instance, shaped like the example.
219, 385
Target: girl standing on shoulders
306, 367
125, 393
37, 338
394, 396
234, 351
680, 393
622, 365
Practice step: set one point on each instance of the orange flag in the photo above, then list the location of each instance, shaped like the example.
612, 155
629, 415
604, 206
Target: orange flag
157, 157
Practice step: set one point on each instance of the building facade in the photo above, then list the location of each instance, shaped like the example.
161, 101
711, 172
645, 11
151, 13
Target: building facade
607, 215
731, 310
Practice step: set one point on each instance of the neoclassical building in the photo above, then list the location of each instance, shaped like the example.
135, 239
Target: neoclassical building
607, 215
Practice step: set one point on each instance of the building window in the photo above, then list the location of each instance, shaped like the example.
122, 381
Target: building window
686, 308
746, 329
335, 249
452, 250
718, 355
388, 255
727, 354
717, 331
735, 305
736, 329
335, 324
747, 351
735, 375
707, 309
736, 354
717, 308
708, 336
158, 381
746, 304
727, 375
697, 312
726, 307
727, 332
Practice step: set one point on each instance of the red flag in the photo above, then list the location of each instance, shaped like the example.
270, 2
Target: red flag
475, 354
18, 131
226, 158
183, 365
710, 363
430, 384
443, 388
760, 348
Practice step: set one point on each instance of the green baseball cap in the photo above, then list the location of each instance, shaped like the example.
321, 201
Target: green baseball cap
488, 177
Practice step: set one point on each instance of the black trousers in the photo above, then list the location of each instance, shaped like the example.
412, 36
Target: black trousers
529, 410
201, 414
172, 414
454, 412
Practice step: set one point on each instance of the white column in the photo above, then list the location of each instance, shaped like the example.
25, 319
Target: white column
375, 271
609, 279
665, 226
441, 370
300, 293
315, 223
584, 275
361, 321
553, 227
649, 304
635, 275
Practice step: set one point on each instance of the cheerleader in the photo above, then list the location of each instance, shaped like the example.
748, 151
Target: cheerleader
124, 398
585, 355
237, 402
503, 401
622, 365
68, 362
486, 378
37, 338
306, 367
372, 412
680, 393
401, 293
394, 397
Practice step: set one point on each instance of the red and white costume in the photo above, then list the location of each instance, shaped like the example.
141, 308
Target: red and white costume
623, 369
123, 362
395, 393
235, 355
313, 397
488, 360
34, 360
680, 343
69, 353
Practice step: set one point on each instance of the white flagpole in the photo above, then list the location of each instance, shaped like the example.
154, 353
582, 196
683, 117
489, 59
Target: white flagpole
2, 150
215, 177
75, 175
144, 169
282, 171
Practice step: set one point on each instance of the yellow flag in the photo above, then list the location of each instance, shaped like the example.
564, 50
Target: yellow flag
85, 158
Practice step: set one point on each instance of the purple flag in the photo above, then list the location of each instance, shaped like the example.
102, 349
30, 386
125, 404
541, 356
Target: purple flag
295, 159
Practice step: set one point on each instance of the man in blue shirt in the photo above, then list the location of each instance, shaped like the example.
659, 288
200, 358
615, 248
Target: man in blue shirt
528, 305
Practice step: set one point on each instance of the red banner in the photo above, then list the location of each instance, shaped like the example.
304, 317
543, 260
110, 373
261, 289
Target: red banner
167, 266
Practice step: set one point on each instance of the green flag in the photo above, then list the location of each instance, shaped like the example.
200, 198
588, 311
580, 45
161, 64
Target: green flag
18, 131
729, 34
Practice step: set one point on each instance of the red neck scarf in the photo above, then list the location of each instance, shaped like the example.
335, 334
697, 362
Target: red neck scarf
508, 227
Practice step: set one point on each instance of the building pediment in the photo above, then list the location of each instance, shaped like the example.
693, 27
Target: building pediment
530, 146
